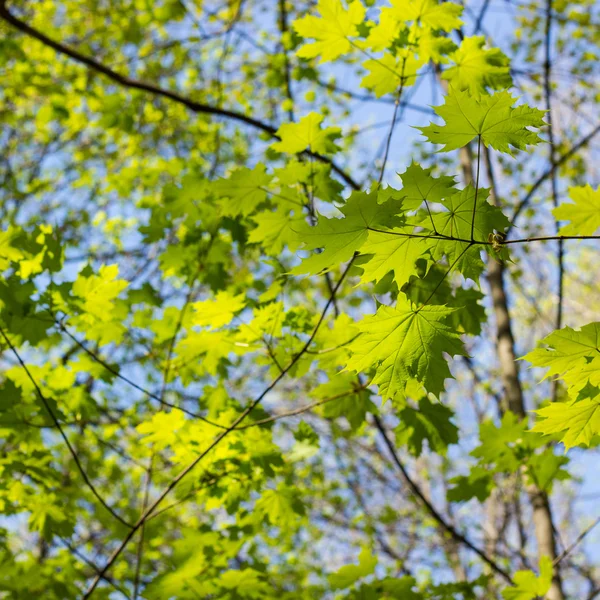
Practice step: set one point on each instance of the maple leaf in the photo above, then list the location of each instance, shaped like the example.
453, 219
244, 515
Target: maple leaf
161, 429
275, 229
331, 31
98, 292
494, 118
477, 68
477, 484
584, 214
457, 222
431, 423
388, 73
429, 13
9, 250
432, 287
219, 311
528, 586
578, 421
243, 190
340, 238
279, 506
405, 343
419, 185
349, 574
307, 133
394, 250
434, 47
571, 354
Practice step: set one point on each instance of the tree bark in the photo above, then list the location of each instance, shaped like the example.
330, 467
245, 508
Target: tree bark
513, 399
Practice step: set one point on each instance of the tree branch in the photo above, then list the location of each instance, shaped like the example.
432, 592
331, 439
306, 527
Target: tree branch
58, 426
128, 82
456, 535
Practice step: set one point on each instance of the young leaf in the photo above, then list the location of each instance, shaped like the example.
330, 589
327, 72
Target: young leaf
431, 423
576, 421
500, 125
389, 73
340, 238
477, 484
584, 214
331, 31
307, 133
405, 343
571, 354
276, 229
528, 586
242, 191
215, 313
458, 222
395, 251
419, 185
428, 13
477, 68
350, 574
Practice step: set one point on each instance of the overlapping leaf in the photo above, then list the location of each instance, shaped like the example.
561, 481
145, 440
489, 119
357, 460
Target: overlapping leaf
405, 343
331, 31
477, 68
307, 133
465, 219
341, 238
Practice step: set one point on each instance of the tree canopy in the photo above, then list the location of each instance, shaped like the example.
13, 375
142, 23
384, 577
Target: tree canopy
299, 300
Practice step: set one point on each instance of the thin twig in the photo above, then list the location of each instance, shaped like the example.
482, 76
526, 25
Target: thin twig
174, 482
456, 535
58, 426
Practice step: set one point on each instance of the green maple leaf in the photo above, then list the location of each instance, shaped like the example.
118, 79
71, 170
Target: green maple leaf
571, 354
331, 31
9, 248
276, 229
388, 73
242, 191
354, 406
341, 238
477, 484
577, 421
394, 250
477, 68
528, 586
431, 423
429, 13
432, 286
307, 133
279, 506
434, 47
457, 221
247, 583
97, 293
497, 442
546, 468
419, 185
500, 125
219, 311
404, 343
350, 574
584, 214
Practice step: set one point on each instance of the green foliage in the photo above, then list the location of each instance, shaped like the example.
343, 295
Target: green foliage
572, 356
583, 214
210, 286
492, 119
528, 585
406, 343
